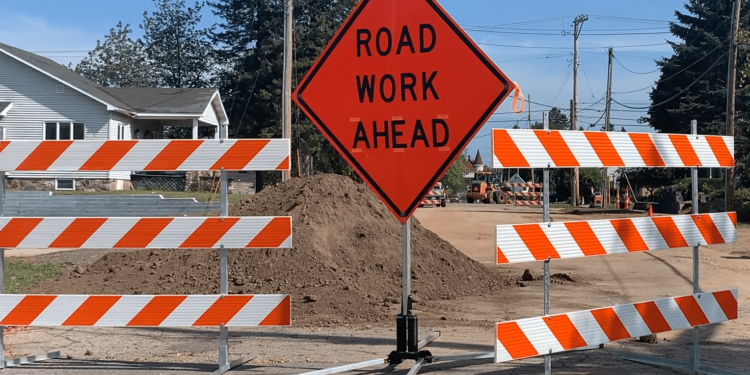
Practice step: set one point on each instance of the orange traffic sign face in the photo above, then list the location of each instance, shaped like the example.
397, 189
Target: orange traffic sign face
399, 91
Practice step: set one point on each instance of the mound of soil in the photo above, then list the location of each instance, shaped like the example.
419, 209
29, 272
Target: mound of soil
345, 266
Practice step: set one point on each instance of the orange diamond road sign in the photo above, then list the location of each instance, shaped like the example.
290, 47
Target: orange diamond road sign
399, 91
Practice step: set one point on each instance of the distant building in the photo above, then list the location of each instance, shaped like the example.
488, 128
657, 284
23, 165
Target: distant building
473, 166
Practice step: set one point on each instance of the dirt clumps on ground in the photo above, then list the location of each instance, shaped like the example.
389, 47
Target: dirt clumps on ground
345, 267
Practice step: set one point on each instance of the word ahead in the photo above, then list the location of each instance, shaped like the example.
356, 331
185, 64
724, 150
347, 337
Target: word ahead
391, 135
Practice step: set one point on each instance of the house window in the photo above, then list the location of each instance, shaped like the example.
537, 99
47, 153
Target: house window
63, 130
65, 184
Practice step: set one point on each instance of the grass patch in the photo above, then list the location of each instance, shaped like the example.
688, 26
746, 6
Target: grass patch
200, 196
19, 275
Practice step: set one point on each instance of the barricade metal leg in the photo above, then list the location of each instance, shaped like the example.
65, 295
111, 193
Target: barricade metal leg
545, 214
224, 363
694, 361
695, 350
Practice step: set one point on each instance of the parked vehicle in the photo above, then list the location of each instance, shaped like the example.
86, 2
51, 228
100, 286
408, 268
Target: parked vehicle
436, 196
455, 198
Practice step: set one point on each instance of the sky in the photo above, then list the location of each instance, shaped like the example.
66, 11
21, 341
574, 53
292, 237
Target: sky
531, 41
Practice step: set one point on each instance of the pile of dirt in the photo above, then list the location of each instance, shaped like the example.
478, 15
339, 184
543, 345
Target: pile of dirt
345, 266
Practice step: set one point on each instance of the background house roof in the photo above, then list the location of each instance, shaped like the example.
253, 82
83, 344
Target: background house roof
144, 100
162, 100
63, 74
4, 107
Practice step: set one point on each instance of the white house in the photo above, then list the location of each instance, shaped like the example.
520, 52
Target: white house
41, 99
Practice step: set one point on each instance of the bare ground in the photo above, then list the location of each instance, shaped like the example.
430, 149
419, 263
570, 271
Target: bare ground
465, 323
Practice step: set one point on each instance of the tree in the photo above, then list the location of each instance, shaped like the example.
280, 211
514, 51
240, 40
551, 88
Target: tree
557, 120
650, 178
250, 39
180, 54
453, 178
118, 62
692, 85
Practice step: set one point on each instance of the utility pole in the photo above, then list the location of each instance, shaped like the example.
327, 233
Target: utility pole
286, 107
577, 26
607, 127
529, 102
731, 88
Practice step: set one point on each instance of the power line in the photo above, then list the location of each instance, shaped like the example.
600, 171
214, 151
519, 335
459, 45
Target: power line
623, 66
563, 32
556, 48
673, 75
627, 19
682, 91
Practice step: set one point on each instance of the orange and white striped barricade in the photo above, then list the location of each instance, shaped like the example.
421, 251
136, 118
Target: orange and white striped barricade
146, 155
225, 232
71, 310
547, 149
146, 233
528, 198
558, 333
522, 148
562, 240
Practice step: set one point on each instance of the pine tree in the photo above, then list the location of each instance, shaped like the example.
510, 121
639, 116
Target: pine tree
557, 120
180, 53
251, 40
692, 85
118, 62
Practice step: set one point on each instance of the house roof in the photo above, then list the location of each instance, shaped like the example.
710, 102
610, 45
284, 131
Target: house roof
4, 108
478, 159
63, 74
137, 100
162, 100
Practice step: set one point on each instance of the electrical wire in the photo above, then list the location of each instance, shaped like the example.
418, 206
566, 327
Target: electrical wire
558, 48
623, 66
673, 75
683, 90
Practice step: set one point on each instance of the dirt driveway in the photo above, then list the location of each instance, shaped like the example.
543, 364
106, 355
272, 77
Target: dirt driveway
465, 324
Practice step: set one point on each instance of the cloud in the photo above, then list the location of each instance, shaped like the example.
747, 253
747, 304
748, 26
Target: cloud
62, 42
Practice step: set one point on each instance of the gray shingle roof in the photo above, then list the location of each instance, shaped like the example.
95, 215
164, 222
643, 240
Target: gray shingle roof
3, 105
163, 100
134, 99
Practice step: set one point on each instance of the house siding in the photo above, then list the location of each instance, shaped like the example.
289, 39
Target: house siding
35, 101
209, 115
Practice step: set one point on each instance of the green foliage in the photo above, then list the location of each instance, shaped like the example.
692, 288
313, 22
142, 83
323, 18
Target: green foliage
742, 204
712, 187
19, 275
118, 62
587, 178
557, 121
683, 92
453, 178
250, 37
180, 53
650, 178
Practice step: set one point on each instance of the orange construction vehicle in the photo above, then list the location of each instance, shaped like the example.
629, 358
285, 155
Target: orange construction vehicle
483, 188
